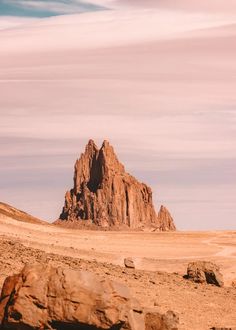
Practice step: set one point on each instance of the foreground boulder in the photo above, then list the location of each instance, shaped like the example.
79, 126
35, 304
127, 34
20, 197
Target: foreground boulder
44, 297
205, 272
105, 195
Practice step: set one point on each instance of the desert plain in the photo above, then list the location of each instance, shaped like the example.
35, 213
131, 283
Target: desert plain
161, 261
158, 79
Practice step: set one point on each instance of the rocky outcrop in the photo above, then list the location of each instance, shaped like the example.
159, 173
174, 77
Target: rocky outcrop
205, 272
165, 219
44, 297
106, 196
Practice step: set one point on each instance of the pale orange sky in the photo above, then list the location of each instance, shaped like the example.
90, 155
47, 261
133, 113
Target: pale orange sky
157, 81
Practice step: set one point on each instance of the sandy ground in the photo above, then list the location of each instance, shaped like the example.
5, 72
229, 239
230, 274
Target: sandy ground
160, 258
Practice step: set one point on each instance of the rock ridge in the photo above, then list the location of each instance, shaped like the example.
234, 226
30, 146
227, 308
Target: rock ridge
10, 212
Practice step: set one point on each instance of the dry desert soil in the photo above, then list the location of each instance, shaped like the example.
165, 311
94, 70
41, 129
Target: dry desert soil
161, 260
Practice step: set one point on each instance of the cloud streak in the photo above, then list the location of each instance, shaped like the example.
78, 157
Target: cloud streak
159, 84
44, 8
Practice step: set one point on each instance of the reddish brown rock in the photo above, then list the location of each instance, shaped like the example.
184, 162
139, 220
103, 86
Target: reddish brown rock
8, 288
205, 272
129, 263
225, 328
105, 195
233, 283
157, 321
166, 220
44, 297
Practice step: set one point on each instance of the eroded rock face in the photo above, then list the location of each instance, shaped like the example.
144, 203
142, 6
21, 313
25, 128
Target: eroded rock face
205, 272
165, 219
44, 297
105, 195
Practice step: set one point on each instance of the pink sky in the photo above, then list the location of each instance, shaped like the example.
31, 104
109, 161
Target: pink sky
159, 82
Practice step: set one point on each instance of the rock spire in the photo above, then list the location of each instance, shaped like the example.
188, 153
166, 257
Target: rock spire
106, 196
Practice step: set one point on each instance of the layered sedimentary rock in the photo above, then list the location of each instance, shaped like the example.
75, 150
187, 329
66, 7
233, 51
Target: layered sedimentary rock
108, 196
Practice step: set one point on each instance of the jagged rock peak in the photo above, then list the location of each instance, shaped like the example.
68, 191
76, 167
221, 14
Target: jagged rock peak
166, 220
91, 143
91, 147
106, 196
109, 159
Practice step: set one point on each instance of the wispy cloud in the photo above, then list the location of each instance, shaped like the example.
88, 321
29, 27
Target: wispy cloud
159, 85
42, 8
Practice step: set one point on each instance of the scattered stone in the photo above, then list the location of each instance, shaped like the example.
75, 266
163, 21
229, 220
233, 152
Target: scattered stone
106, 196
205, 272
157, 321
233, 284
129, 263
216, 328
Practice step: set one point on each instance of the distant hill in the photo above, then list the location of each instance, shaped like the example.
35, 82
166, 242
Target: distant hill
19, 215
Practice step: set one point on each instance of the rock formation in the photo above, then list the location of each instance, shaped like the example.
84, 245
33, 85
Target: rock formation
68, 299
107, 196
205, 272
166, 220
